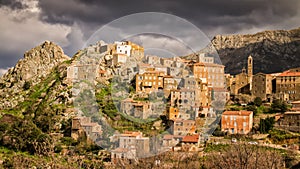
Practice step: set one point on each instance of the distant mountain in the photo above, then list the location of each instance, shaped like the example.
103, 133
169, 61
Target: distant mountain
272, 51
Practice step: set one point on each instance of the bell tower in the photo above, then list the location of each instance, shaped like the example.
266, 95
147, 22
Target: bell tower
250, 70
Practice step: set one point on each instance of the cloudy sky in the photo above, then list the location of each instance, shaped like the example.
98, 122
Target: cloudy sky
70, 23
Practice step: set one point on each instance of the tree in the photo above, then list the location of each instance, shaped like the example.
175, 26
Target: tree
252, 108
244, 156
265, 125
278, 106
257, 101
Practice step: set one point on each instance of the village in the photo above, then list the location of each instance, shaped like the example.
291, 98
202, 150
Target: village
196, 96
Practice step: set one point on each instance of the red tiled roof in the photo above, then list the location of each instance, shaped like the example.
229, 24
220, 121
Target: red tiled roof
293, 112
131, 134
296, 102
213, 65
191, 139
242, 113
289, 73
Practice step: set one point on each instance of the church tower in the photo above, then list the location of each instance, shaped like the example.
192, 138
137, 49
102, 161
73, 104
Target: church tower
250, 70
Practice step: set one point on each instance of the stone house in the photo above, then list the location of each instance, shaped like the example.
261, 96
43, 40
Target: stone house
150, 80
262, 85
131, 145
237, 122
202, 57
183, 127
289, 121
288, 83
190, 142
183, 99
295, 105
84, 124
152, 60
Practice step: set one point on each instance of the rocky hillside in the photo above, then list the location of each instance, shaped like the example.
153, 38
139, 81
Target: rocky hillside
36, 65
272, 51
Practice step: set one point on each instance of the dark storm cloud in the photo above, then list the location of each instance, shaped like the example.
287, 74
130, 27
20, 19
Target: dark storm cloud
71, 22
13, 4
231, 15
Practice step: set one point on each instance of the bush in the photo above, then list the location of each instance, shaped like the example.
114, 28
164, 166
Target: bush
26, 85
257, 101
265, 125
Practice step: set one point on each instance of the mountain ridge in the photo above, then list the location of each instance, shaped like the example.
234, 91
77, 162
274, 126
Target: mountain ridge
268, 48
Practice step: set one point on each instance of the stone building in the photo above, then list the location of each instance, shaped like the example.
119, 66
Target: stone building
202, 57
288, 84
262, 85
183, 127
237, 122
131, 145
242, 82
150, 80
84, 124
216, 76
184, 99
290, 121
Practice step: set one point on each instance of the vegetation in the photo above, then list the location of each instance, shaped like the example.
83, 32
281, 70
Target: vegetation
265, 125
282, 137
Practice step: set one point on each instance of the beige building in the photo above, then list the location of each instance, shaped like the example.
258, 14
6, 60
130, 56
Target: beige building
237, 122
262, 85
216, 75
288, 85
290, 121
131, 145
242, 83
183, 127
150, 80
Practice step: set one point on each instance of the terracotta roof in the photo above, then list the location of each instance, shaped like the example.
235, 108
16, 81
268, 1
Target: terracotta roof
242, 113
213, 65
198, 64
191, 139
291, 112
289, 73
168, 76
131, 134
102, 71
296, 102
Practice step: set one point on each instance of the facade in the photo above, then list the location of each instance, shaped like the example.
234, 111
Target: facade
184, 99
199, 70
128, 48
150, 80
183, 127
216, 76
296, 106
262, 85
250, 70
119, 58
290, 121
138, 109
237, 122
91, 129
242, 82
202, 57
288, 84
131, 145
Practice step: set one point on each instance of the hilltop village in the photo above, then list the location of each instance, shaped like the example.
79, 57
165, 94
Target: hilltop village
192, 95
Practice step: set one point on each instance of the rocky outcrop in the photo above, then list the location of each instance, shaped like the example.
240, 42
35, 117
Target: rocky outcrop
36, 65
272, 51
